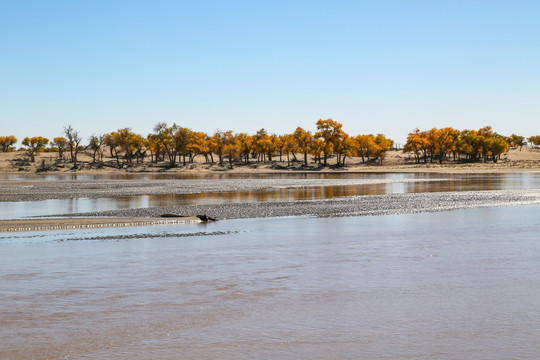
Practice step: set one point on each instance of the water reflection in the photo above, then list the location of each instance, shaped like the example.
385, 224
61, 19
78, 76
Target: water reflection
415, 286
194, 176
452, 182
15, 210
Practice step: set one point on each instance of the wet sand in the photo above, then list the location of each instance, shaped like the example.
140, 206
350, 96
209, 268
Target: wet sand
65, 223
343, 206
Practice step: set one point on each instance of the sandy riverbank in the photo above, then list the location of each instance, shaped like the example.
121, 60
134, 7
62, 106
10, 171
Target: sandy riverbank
527, 159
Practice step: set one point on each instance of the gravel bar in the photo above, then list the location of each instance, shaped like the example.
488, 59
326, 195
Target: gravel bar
343, 206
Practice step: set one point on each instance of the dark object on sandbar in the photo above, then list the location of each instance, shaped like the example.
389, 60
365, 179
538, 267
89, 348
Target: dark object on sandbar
204, 218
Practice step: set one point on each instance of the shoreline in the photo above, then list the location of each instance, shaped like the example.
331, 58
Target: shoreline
265, 169
526, 160
381, 170
72, 223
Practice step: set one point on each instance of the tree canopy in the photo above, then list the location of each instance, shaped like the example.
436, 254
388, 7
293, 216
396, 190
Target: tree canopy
465, 145
176, 144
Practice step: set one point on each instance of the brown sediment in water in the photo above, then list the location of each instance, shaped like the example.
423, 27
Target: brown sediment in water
19, 225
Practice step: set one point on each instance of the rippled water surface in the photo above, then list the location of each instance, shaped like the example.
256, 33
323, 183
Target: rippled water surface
459, 284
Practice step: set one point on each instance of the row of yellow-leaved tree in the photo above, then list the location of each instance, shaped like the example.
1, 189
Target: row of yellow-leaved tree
175, 144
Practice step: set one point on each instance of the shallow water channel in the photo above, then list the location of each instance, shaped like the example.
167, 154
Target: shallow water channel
390, 184
455, 284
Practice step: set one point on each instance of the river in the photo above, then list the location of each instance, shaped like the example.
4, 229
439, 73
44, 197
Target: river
453, 284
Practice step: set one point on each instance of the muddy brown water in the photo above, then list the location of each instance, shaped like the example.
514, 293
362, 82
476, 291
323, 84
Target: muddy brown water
455, 284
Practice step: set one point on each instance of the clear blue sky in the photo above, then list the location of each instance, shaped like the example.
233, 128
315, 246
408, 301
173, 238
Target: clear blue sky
375, 66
